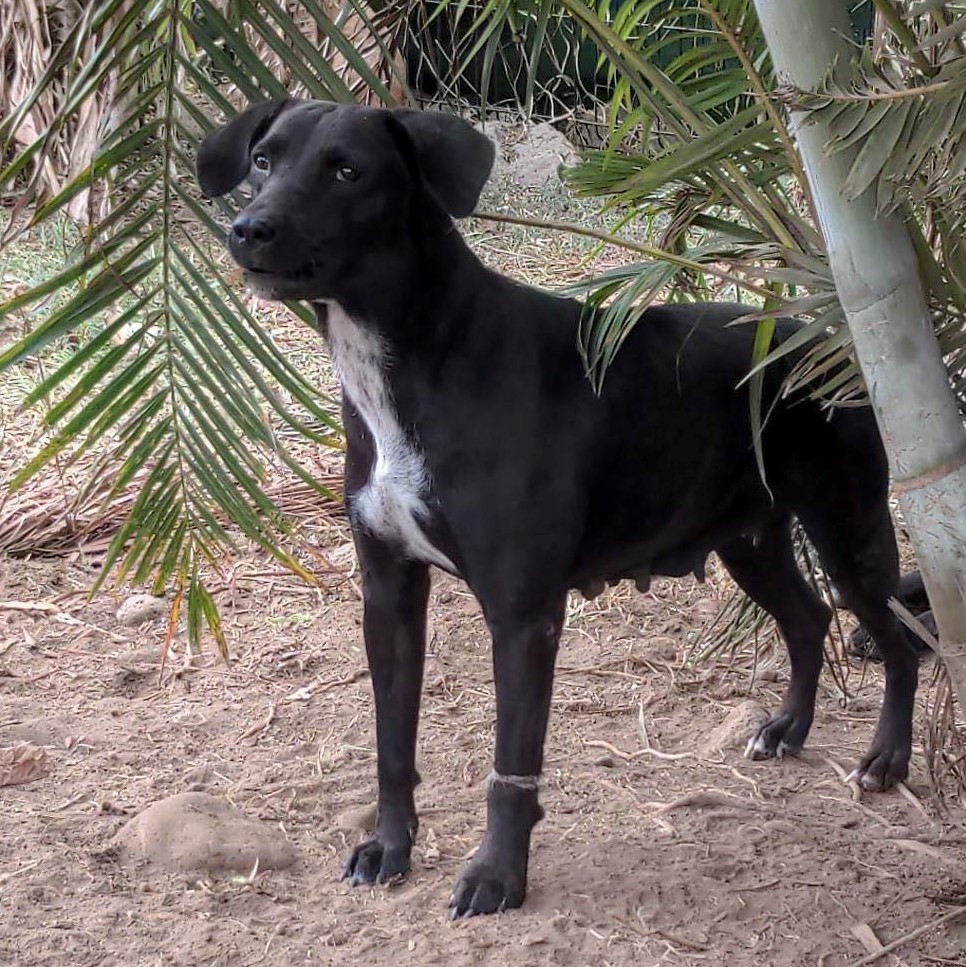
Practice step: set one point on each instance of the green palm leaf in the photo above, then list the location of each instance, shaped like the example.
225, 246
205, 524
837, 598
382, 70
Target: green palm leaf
173, 384
715, 164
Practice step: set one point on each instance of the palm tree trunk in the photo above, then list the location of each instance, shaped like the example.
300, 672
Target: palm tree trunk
877, 277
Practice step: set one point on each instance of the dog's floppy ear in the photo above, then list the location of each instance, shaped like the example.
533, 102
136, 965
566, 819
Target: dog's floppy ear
222, 159
453, 157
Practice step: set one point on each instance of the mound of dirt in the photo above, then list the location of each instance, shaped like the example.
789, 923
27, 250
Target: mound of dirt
739, 725
195, 831
537, 157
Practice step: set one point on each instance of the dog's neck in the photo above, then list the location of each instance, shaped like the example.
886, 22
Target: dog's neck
421, 293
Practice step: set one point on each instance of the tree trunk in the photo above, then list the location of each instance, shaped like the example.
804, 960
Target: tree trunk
877, 277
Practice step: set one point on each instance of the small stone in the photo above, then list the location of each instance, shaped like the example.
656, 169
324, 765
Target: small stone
606, 761
135, 609
534, 938
358, 818
741, 723
199, 777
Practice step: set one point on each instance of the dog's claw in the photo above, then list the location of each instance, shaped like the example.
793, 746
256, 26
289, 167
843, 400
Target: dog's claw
376, 861
883, 766
487, 889
771, 741
455, 913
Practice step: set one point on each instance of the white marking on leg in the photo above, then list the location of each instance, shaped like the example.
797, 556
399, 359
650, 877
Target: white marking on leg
530, 783
757, 748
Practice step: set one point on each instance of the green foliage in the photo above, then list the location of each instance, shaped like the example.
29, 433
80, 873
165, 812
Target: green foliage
174, 385
701, 147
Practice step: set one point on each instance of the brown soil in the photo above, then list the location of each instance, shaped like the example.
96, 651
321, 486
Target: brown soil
657, 847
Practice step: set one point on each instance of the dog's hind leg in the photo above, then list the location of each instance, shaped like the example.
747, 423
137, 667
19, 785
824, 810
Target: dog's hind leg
395, 592
765, 569
861, 558
524, 652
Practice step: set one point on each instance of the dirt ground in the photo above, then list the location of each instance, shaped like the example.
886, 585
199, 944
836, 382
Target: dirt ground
657, 847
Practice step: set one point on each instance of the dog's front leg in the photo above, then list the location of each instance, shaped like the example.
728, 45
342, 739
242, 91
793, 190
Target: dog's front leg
524, 652
395, 592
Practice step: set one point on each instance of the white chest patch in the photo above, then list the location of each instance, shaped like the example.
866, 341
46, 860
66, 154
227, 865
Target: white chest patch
393, 501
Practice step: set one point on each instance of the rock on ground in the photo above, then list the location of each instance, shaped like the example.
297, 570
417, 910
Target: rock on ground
740, 724
537, 157
138, 608
194, 831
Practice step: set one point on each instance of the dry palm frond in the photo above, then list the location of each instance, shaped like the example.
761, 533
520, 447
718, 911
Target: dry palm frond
945, 745
55, 515
379, 37
31, 33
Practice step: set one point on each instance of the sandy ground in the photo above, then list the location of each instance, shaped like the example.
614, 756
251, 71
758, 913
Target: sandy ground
658, 845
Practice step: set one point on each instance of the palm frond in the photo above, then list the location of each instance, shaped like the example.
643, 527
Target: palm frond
912, 133
173, 384
699, 147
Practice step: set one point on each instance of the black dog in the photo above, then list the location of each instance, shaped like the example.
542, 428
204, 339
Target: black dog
911, 594
476, 443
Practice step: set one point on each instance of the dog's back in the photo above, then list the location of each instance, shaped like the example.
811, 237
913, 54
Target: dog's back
672, 466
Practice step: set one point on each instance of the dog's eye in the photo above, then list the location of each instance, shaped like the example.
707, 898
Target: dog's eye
261, 162
345, 173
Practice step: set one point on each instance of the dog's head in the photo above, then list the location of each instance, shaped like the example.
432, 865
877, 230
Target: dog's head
338, 188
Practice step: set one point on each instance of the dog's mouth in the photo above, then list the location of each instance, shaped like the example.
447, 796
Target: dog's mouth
301, 274
272, 284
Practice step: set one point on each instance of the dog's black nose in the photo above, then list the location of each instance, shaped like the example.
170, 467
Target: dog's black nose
252, 230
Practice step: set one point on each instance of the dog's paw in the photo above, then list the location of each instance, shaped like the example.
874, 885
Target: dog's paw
374, 861
783, 735
485, 888
881, 768
862, 647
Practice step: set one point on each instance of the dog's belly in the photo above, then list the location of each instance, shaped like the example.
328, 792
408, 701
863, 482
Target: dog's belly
392, 504
630, 539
